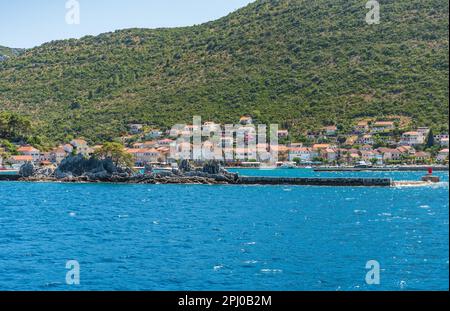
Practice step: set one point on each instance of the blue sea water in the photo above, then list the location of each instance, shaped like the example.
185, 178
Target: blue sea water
195, 237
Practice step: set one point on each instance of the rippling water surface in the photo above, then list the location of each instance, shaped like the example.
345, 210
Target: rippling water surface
177, 237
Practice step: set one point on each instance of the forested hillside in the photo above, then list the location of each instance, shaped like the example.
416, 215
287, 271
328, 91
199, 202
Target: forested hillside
300, 63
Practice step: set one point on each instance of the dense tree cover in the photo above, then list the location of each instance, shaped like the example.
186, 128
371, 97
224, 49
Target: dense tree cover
116, 152
302, 64
14, 127
8, 52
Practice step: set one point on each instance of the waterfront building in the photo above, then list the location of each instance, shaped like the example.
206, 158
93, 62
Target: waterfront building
303, 153
30, 151
412, 138
144, 156
57, 155
443, 155
389, 154
20, 160
81, 146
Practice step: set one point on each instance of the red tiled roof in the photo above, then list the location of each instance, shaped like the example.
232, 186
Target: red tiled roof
22, 158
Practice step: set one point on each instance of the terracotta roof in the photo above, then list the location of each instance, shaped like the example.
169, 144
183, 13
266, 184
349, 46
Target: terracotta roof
412, 133
27, 149
22, 158
321, 146
421, 154
383, 123
143, 150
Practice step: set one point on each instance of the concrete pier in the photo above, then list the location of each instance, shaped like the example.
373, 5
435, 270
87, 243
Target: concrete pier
381, 169
336, 182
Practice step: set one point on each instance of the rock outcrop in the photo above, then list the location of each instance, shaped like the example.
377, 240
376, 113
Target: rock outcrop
81, 169
26, 170
90, 169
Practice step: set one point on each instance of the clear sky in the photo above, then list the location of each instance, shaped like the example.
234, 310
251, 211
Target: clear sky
28, 23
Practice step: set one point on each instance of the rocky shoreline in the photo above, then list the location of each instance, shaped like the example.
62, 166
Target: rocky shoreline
78, 169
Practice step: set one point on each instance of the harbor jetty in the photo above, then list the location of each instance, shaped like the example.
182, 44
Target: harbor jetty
78, 169
381, 169
336, 182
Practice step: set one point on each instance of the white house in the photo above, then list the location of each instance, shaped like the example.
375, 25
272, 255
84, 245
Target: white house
144, 156
389, 154
443, 155
412, 138
57, 155
367, 140
302, 153
443, 142
81, 146
30, 151
135, 128
330, 130
20, 160
361, 127
383, 126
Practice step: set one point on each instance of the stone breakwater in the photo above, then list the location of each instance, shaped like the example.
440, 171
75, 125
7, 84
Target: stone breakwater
337, 182
206, 179
79, 169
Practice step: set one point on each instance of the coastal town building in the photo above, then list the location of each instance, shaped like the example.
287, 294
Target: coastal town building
34, 153
303, 154
366, 140
362, 127
423, 130
57, 155
383, 126
135, 128
81, 146
246, 120
442, 139
19, 160
144, 156
443, 155
283, 133
443, 142
154, 134
422, 156
412, 138
330, 130
389, 154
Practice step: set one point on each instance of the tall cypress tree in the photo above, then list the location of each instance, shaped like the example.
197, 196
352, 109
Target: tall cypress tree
430, 139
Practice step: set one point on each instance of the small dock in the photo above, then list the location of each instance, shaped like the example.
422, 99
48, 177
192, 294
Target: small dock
380, 169
335, 182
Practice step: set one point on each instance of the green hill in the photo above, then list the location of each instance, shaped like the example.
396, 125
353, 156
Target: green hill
301, 63
8, 52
